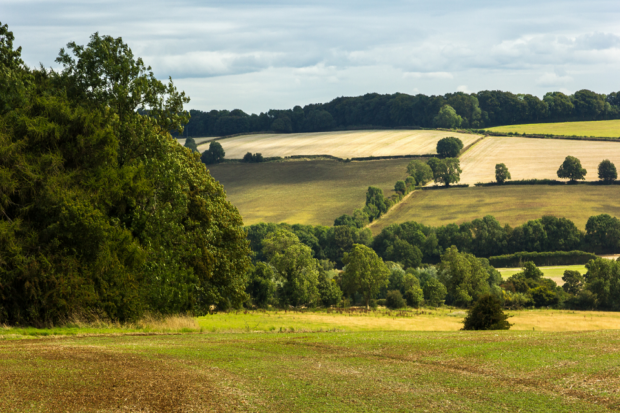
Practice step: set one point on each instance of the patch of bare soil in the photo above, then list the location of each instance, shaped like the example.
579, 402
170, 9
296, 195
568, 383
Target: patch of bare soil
49, 378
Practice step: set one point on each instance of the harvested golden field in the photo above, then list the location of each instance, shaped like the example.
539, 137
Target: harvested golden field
599, 128
304, 192
528, 158
344, 144
512, 205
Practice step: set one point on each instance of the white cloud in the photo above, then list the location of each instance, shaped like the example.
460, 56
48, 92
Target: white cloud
428, 75
553, 80
463, 88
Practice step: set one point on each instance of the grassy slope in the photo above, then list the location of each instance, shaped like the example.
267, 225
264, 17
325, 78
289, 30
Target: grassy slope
345, 372
346, 144
304, 192
512, 205
601, 128
528, 158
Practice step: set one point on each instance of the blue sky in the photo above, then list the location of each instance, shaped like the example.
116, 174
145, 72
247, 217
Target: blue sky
257, 55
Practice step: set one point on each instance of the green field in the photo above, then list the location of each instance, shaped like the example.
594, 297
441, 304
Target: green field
599, 128
554, 273
512, 205
304, 192
392, 371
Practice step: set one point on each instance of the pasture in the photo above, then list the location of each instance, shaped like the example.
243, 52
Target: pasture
599, 128
513, 205
555, 273
528, 158
524, 369
343, 144
304, 192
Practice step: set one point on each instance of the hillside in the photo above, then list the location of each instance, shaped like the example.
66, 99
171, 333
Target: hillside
598, 128
347, 144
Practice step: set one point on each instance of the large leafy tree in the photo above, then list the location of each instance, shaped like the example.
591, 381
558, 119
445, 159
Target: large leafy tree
464, 276
607, 171
449, 147
365, 272
501, 173
447, 118
446, 171
571, 168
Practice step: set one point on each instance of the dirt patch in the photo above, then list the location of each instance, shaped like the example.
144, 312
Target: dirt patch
52, 378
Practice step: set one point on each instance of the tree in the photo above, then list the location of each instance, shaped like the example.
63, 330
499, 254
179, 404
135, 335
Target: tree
420, 171
607, 171
434, 292
447, 118
401, 187
414, 296
501, 173
449, 147
464, 276
573, 282
248, 157
486, 314
447, 171
190, 143
571, 169
261, 285
364, 272
282, 125
394, 300
374, 198
603, 233
329, 291
214, 154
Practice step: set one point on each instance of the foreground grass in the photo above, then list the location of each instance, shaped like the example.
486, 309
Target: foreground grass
512, 205
600, 128
304, 192
315, 372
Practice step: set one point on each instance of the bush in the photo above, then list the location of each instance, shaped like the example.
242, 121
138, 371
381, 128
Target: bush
414, 297
486, 314
394, 300
381, 302
542, 258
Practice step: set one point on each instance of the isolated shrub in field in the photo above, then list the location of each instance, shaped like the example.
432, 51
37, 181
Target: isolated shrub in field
420, 171
607, 171
447, 118
571, 168
486, 314
414, 297
394, 300
501, 173
449, 147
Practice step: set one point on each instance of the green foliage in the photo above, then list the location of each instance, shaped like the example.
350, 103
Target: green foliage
364, 272
603, 233
447, 118
401, 187
420, 171
486, 314
464, 276
603, 281
394, 300
571, 168
253, 158
190, 144
446, 171
449, 147
282, 125
607, 171
375, 203
543, 258
262, 285
501, 173
214, 154
414, 297
573, 282
329, 291
434, 292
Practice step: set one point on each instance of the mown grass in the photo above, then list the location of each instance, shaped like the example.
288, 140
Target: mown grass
304, 192
600, 128
513, 205
526, 371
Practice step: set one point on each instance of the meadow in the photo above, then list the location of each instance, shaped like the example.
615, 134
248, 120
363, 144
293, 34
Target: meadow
367, 368
554, 273
304, 192
528, 158
513, 205
600, 128
344, 144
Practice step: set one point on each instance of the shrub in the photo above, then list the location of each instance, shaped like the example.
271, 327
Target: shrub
542, 258
400, 187
381, 302
394, 300
486, 314
414, 297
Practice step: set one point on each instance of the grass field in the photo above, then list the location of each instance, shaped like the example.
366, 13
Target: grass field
348, 371
533, 158
348, 144
512, 205
601, 128
554, 273
304, 192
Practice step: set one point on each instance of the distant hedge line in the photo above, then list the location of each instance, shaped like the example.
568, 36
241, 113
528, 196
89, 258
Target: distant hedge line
545, 182
542, 258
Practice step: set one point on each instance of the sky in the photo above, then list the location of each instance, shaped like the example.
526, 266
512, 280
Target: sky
259, 55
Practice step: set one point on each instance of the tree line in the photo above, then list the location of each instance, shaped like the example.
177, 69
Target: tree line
474, 111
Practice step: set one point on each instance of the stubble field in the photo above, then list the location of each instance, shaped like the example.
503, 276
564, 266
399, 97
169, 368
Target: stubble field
600, 128
304, 192
528, 158
344, 144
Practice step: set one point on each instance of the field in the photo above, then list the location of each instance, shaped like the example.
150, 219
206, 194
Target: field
554, 273
304, 192
512, 205
349, 144
601, 128
533, 158
524, 369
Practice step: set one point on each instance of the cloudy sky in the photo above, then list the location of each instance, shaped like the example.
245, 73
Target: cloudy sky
262, 54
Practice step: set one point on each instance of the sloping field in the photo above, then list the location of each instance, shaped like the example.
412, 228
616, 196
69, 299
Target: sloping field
346, 144
304, 192
512, 205
528, 158
599, 128
399, 371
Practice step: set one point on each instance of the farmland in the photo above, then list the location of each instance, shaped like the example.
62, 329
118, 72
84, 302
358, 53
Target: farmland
600, 128
554, 273
348, 144
304, 192
528, 158
440, 371
512, 205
